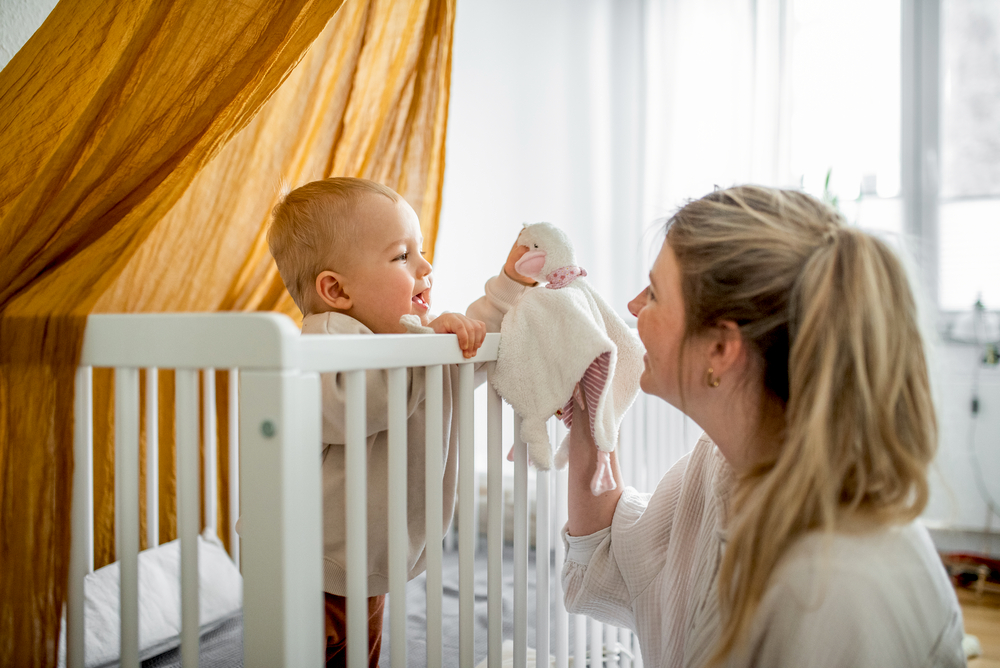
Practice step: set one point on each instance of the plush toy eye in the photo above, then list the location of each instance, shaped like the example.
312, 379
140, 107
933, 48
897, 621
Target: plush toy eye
536, 245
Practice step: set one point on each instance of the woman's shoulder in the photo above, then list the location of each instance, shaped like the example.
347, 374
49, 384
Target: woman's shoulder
892, 555
877, 592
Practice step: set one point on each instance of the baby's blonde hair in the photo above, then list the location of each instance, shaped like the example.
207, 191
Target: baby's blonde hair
312, 229
829, 311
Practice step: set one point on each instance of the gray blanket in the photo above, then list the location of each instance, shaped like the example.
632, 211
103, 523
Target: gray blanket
223, 647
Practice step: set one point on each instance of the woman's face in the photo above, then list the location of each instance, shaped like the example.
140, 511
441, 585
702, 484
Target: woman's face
660, 309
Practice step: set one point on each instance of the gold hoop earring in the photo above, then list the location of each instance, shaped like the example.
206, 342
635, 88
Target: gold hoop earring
712, 382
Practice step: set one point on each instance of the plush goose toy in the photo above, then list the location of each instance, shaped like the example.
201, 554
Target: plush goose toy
557, 339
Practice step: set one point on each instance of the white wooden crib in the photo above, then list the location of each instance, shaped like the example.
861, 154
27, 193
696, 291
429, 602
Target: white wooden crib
274, 436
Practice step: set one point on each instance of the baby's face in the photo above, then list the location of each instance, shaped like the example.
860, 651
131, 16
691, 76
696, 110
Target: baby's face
388, 276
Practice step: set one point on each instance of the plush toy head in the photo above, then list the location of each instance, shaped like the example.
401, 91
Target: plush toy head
549, 249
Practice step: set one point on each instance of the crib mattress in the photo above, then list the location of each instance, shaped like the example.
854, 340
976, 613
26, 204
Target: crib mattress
223, 646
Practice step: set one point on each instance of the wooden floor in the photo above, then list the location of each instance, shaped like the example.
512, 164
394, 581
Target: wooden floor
982, 619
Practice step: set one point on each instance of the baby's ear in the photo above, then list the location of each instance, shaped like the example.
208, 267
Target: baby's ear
330, 288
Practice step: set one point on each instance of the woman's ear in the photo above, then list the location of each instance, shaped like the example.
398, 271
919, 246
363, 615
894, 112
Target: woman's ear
330, 288
725, 346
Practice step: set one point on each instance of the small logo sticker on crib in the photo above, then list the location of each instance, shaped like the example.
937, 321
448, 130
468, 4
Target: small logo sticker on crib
267, 428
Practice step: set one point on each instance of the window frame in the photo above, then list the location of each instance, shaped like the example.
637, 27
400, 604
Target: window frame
920, 147
920, 141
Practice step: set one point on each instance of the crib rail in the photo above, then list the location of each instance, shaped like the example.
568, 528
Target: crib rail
282, 568
274, 374
279, 409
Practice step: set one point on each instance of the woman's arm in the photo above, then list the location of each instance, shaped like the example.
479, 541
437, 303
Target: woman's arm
588, 513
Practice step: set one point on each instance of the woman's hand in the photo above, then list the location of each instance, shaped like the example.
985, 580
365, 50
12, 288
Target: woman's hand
516, 252
587, 513
470, 332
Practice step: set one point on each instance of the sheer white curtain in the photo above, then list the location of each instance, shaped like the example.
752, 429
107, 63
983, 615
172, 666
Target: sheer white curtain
714, 87
603, 116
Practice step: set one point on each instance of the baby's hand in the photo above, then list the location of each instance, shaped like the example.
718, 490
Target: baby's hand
515, 254
470, 332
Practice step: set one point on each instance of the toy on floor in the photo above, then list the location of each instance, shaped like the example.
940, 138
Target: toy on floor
558, 338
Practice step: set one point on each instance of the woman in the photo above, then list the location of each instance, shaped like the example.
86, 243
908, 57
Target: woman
787, 536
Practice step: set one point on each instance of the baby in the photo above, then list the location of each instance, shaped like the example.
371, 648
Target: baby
350, 253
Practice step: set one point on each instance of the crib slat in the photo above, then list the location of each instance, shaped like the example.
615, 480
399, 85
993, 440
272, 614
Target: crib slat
611, 645
633, 447
561, 629
579, 640
542, 534
356, 507
636, 652
234, 463
433, 464
127, 496
466, 516
303, 486
152, 458
398, 534
520, 547
596, 642
625, 640
211, 451
82, 537
476, 492
494, 525
626, 461
188, 506
653, 434
650, 432
636, 443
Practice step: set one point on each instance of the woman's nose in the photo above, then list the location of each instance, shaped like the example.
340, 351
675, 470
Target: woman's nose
637, 303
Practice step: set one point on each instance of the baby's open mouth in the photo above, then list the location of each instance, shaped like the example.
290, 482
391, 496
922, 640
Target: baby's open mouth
419, 300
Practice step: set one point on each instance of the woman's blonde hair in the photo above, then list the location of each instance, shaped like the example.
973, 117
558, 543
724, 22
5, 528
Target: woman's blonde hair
829, 310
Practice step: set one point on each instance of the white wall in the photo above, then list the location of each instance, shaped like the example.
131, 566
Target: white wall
506, 161
956, 499
19, 19
531, 125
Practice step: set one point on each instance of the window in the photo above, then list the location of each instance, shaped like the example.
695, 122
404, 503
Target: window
845, 130
845, 106
969, 215
845, 95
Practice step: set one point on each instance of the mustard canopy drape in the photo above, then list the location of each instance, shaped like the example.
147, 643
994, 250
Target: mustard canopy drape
143, 144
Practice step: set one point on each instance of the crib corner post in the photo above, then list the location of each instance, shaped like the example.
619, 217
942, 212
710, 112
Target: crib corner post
281, 528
